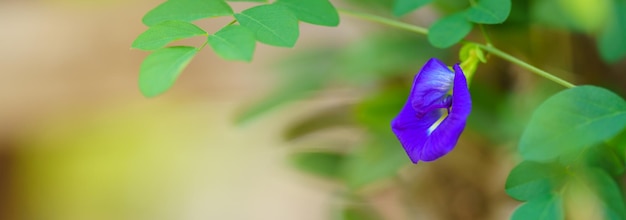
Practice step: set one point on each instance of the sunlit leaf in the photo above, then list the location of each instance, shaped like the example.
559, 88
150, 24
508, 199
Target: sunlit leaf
320, 12
233, 42
163, 33
572, 120
160, 69
186, 10
271, 24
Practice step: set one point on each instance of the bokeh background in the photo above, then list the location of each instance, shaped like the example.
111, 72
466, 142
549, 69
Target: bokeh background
79, 142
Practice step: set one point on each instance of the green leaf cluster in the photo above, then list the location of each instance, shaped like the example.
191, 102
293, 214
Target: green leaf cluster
573, 151
275, 24
452, 28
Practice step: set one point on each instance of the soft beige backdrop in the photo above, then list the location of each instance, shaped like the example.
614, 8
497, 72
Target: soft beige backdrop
79, 142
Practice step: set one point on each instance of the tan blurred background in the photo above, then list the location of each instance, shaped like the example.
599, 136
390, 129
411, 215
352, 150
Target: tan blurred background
79, 142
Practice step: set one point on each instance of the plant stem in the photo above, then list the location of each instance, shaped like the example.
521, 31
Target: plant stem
487, 39
512, 59
488, 47
203, 45
385, 21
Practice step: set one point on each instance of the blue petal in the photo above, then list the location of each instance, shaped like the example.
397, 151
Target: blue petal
443, 139
424, 107
412, 132
430, 86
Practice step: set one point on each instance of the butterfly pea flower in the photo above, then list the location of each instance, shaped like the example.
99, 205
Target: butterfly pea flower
431, 121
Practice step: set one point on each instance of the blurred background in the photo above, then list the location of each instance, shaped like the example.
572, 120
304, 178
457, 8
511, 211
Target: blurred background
298, 133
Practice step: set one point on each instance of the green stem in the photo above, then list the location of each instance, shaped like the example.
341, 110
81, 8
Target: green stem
487, 39
385, 21
203, 45
488, 47
531, 68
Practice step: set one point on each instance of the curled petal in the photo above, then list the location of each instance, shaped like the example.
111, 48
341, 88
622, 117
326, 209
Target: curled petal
412, 132
414, 124
443, 139
430, 86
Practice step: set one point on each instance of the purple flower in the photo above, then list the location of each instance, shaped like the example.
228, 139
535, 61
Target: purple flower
431, 121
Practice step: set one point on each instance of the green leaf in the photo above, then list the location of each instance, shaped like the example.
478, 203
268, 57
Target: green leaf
572, 120
402, 7
324, 164
233, 42
489, 11
163, 33
320, 12
160, 69
247, 0
449, 30
186, 10
611, 41
271, 24
544, 208
530, 180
